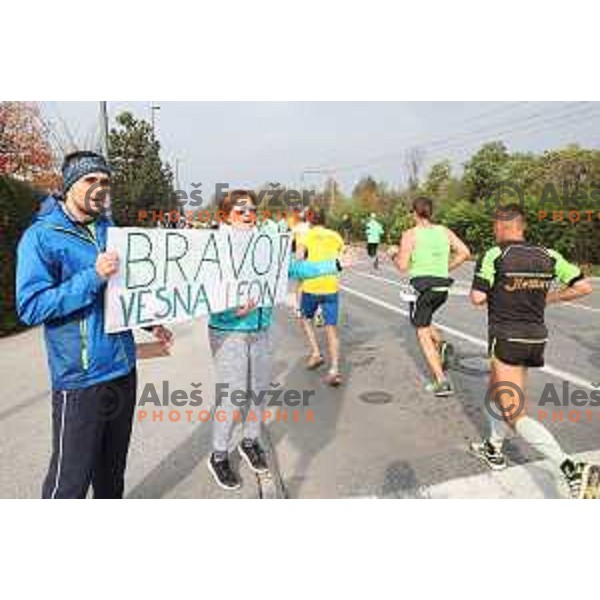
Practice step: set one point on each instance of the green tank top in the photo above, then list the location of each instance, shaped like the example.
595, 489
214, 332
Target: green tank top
430, 255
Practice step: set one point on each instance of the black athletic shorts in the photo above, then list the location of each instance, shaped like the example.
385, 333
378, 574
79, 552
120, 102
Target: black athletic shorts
428, 301
372, 249
517, 352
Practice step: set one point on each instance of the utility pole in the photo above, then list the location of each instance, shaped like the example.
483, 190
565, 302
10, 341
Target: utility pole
332, 179
104, 123
153, 109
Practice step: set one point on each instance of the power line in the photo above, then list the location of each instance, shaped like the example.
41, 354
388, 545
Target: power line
450, 141
563, 119
419, 139
430, 143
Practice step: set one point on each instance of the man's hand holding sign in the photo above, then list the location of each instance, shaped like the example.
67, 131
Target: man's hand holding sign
107, 265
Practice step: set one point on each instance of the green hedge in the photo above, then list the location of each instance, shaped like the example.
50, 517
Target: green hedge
578, 241
472, 222
18, 203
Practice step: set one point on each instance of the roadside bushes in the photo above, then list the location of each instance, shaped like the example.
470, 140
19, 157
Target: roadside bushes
18, 203
576, 235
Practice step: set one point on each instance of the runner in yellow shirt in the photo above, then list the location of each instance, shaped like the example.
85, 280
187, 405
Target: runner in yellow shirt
320, 243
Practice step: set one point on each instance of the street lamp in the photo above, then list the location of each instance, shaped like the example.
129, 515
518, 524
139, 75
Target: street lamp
153, 109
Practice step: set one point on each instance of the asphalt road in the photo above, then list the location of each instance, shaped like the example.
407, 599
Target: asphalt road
378, 435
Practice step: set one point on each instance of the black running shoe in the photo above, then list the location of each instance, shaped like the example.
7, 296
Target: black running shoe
582, 479
224, 475
487, 453
255, 456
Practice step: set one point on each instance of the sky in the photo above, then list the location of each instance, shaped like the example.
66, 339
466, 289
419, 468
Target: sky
252, 143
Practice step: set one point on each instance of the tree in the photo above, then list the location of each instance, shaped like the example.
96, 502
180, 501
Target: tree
571, 167
438, 179
141, 180
487, 168
25, 152
18, 203
332, 195
367, 193
523, 169
413, 162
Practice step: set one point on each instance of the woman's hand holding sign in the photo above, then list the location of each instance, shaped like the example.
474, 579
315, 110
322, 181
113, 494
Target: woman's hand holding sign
246, 308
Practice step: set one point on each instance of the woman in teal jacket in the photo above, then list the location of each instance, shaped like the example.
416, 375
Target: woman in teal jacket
241, 344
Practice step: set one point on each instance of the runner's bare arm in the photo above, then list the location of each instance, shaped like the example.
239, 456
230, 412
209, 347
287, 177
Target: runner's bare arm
460, 252
402, 259
484, 276
580, 288
570, 275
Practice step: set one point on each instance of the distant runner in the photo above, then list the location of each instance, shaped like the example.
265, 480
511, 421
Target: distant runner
321, 244
513, 278
428, 252
346, 227
374, 233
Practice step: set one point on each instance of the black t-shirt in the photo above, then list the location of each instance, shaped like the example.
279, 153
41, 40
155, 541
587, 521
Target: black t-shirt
516, 277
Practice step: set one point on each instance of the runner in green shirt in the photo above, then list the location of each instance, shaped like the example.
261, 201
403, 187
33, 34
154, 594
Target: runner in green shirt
428, 252
374, 233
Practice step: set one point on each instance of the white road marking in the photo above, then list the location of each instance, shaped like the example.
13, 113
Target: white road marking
559, 373
534, 480
577, 305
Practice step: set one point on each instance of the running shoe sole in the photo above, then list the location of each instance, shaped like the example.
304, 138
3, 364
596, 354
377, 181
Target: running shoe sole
252, 468
443, 393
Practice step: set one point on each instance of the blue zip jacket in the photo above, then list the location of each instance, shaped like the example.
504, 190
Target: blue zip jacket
57, 286
262, 317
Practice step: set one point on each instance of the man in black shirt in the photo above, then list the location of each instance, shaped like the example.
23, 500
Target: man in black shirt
514, 279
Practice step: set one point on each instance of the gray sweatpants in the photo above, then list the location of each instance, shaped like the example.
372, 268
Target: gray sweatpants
243, 361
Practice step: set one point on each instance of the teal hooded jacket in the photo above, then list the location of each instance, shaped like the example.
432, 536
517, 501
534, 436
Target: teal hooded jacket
262, 317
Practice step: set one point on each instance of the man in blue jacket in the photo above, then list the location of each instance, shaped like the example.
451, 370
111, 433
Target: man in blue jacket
62, 269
